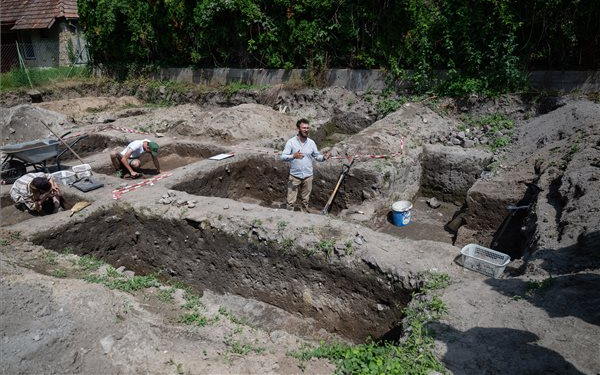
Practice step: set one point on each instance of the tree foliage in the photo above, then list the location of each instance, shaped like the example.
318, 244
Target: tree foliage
483, 45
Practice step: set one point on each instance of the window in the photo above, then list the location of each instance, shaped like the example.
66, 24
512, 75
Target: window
27, 48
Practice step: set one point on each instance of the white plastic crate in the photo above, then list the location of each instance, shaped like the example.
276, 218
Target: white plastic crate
64, 177
483, 260
82, 170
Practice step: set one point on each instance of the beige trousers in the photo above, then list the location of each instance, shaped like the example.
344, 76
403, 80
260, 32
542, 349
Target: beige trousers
305, 186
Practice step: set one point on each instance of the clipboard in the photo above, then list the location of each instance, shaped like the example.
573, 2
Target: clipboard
222, 156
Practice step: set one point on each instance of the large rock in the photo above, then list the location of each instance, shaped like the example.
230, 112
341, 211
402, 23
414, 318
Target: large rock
486, 209
449, 172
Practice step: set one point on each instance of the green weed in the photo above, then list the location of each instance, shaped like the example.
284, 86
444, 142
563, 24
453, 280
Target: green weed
348, 247
435, 280
235, 87
412, 355
194, 319
67, 250
286, 245
10, 238
120, 282
192, 301
51, 257
234, 319
281, 226
388, 105
494, 123
242, 349
326, 246
500, 142
532, 286
166, 295
60, 273
89, 263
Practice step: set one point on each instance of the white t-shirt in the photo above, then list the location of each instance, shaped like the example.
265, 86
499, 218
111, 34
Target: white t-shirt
136, 147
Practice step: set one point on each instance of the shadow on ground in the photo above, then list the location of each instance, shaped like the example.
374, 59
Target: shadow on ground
476, 351
568, 295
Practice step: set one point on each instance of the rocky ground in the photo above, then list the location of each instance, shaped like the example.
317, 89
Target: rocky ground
242, 282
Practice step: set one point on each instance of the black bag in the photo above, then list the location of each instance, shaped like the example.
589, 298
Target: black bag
87, 184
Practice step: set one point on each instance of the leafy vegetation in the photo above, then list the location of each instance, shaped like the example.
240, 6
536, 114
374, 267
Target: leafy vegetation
241, 348
59, 273
483, 46
9, 238
115, 280
323, 246
195, 319
413, 354
543, 285
497, 127
89, 263
234, 319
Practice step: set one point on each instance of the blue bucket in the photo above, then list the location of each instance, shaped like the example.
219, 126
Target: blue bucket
401, 213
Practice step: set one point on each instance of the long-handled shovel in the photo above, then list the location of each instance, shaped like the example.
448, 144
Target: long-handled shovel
63, 142
345, 171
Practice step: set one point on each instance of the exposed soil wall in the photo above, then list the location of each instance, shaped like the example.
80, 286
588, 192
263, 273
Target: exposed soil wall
351, 301
265, 179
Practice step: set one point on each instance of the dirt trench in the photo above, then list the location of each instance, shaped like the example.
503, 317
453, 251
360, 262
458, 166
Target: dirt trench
354, 302
263, 180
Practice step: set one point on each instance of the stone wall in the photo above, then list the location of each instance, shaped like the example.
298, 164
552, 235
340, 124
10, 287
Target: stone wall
362, 80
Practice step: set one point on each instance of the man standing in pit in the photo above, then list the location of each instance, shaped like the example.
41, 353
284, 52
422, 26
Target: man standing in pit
300, 152
128, 159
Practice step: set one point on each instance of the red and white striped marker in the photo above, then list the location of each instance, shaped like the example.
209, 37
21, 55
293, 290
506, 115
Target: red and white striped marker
127, 130
119, 192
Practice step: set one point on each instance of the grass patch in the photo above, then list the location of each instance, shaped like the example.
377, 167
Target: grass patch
324, 246
59, 273
234, 319
542, 286
286, 245
192, 301
166, 295
67, 250
115, 280
493, 125
10, 238
51, 257
89, 263
195, 319
16, 79
241, 348
388, 105
235, 87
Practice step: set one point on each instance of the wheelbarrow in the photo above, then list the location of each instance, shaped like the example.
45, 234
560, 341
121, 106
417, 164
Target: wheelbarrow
36, 153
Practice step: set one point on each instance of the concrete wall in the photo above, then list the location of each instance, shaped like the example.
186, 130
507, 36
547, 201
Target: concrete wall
361, 80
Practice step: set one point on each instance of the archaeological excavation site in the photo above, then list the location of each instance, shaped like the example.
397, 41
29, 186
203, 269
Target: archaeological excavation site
464, 235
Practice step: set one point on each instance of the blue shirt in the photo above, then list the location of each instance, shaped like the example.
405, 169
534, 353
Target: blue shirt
301, 168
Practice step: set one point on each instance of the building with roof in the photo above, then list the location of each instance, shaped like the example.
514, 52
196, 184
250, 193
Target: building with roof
43, 32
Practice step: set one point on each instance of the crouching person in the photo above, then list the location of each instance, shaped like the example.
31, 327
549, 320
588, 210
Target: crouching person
126, 161
37, 193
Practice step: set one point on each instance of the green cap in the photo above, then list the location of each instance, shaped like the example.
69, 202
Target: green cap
153, 148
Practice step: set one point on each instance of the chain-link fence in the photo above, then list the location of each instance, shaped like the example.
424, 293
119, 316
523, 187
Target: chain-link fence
43, 54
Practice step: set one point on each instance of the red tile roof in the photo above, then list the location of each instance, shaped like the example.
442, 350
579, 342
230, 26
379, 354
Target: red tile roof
35, 14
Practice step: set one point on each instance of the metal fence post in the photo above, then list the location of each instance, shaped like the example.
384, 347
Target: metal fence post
22, 63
